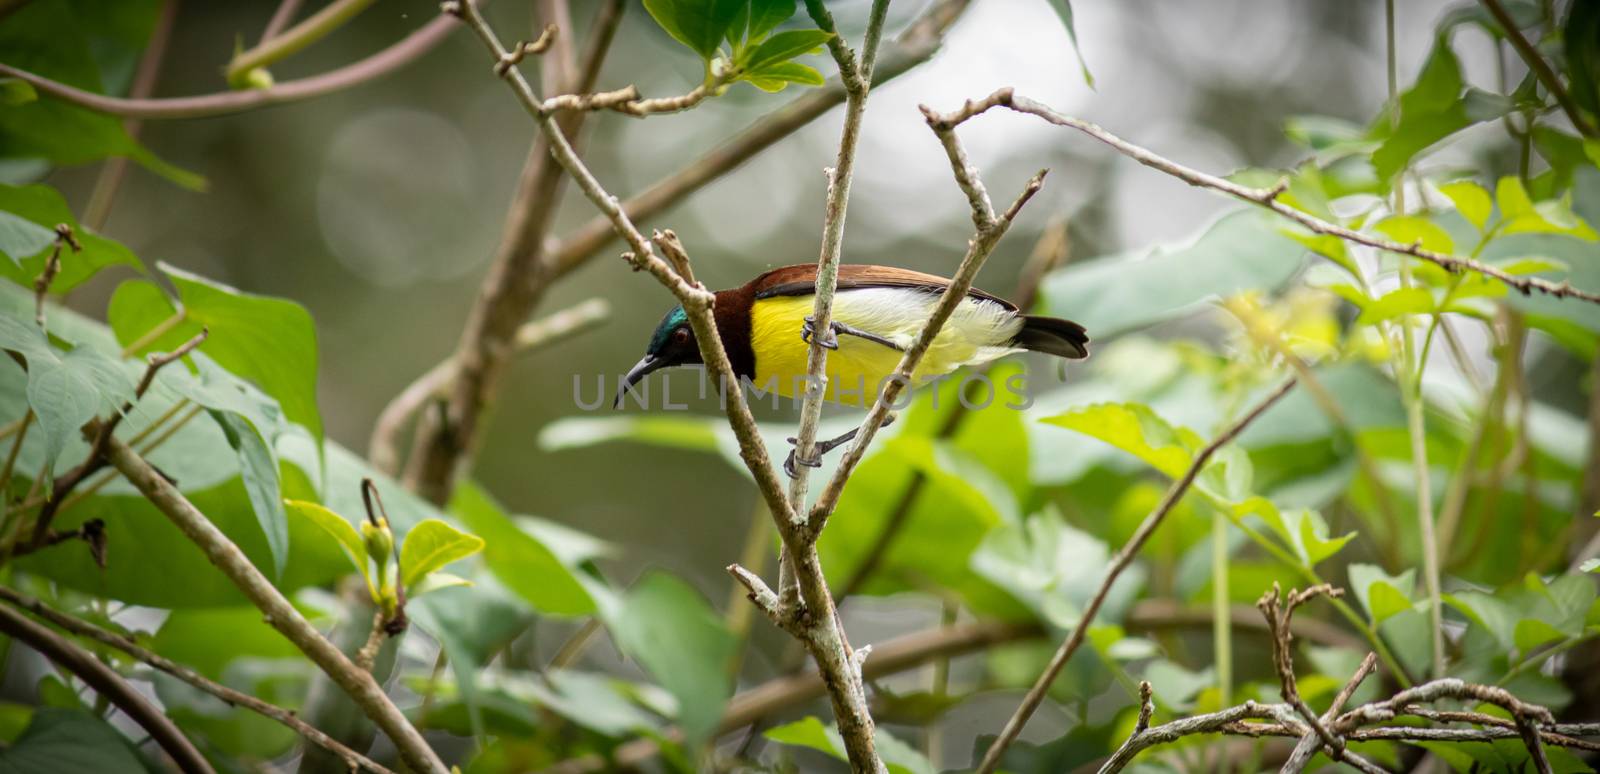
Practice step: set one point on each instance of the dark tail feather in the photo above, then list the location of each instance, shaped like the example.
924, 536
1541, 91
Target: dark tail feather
1053, 336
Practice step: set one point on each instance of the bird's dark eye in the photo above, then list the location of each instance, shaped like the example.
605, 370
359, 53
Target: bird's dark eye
680, 336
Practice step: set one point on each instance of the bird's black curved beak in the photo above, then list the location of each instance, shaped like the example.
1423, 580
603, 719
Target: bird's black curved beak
636, 374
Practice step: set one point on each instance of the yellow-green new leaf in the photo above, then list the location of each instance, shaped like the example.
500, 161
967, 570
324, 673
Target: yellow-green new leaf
435, 581
1397, 303
336, 526
1414, 230
1471, 200
1512, 198
1134, 428
431, 545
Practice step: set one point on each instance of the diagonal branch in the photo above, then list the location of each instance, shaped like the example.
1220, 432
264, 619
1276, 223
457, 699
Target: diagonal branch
108, 684
1120, 562
127, 645
279, 613
1268, 198
1541, 68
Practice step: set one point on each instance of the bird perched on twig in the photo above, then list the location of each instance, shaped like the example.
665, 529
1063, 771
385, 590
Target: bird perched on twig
878, 312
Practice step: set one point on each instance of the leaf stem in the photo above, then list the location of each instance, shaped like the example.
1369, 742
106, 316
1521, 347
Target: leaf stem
312, 29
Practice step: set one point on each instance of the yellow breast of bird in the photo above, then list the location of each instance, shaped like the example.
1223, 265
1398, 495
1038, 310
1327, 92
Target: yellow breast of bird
978, 331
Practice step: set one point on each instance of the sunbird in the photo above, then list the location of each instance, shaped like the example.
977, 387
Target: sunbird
766, 327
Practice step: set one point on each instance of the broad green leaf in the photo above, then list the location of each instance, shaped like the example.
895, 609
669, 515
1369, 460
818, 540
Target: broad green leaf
1497, 618
1176, 687
65, 390
1053, 569
431, 545
518, 559
1064, 12
1134, 428
1243, 250
668, 628
15, 91
44, 208
1382, 595
785, 46
20, 237
472, 625
775, 77
51, 39
812, 733
269, 341
334, 526
258, 466
766, 15
1430, 111
1400, 302
435, 581
699, 24
1471, 200
63, 740
1308, 534
1530, 633
1512, 198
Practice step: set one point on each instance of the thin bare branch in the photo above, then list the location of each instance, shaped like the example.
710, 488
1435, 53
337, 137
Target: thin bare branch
108, 684
1120, 562
402, 53
1267, 197
129, 646
278, 612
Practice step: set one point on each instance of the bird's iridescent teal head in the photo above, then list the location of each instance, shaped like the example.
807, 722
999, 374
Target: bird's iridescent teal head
672, 344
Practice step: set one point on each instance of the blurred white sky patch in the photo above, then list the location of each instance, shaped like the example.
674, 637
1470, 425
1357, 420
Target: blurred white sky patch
398, 198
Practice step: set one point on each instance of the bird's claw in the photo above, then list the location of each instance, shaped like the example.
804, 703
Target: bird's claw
809, 329
792, 460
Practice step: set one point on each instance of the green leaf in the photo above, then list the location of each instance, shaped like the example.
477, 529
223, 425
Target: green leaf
1134, 428
1064, 12
435, 581
812, 733
785, 46
1243, 250
1400, 302
699, 24
1383, 595
775, 77
472, 626
1531, 633
518, 559
62, 740
431, 545
49, 39
1415, 230
1512, 198
270, 341
15, 91
766, 15
1471, 200
336, 527
1307, 532
21, 238
1580, 36
1053, 569
65, 390
1496, 617
44, 208
1430, 111
668, 628
258, 466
